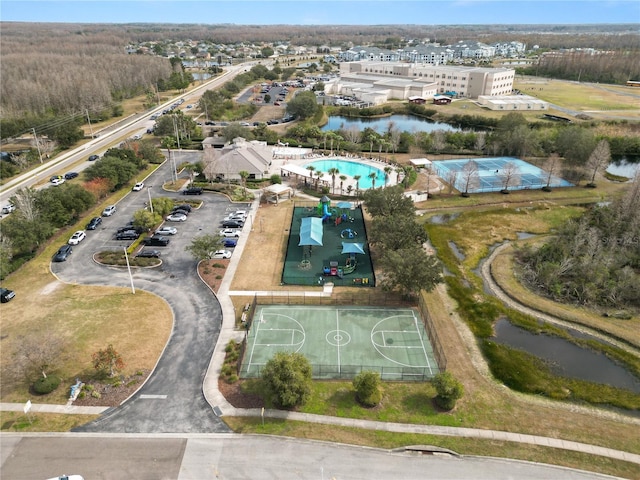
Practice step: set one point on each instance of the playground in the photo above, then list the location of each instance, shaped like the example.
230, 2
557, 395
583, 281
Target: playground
342, 341
328, 243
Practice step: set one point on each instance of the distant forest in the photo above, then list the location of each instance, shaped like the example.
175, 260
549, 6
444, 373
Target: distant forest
54, 70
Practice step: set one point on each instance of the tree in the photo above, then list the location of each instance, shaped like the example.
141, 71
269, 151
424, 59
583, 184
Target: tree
373, 176
162, 205
304, 105
550, 166
342, 180
387, 174
287, 379
333, 171
108, 361
38, 355
389, 202
311, 169
145, 219
357, 179
448, 390
368, 388
396, 232
509, 176
243, 178
598, 160
235, 130
469, 176
203, 246
410, 270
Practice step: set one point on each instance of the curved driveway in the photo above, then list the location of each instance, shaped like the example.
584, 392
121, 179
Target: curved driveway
172, 399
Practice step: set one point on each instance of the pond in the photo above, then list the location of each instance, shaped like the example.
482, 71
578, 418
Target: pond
624, 168
567, 359
403, 123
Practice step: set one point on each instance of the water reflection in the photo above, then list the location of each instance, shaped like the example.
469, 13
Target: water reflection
567, 359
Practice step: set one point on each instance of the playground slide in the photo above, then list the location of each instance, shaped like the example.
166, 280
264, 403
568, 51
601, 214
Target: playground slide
325, 211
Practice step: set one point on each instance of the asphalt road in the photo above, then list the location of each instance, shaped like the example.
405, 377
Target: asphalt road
172, 399
241, 457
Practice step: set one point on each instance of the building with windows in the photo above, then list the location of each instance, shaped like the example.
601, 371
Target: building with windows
512, 103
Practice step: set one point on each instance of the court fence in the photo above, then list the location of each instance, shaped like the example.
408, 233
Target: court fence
336, 372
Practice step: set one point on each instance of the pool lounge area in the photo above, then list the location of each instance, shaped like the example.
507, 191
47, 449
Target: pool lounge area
490, 175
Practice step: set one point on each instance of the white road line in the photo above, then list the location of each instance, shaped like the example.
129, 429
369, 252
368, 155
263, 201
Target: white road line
159, 397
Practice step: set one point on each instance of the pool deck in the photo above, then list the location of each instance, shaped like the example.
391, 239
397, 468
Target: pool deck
278, 163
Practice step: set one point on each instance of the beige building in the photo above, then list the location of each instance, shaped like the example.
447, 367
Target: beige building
227, 162
378, 82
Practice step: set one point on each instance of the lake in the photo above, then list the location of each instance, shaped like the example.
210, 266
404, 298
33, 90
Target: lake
404, 123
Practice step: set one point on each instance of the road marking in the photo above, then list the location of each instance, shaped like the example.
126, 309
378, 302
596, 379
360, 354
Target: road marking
161, 397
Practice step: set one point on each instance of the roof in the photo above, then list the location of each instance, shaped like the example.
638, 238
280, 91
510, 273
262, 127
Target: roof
311, 231
420, 161
277, 189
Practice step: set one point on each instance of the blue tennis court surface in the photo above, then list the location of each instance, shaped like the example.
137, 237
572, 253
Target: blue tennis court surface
491, 175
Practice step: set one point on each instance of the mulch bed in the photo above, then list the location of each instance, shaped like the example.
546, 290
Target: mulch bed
236, 397
111, 396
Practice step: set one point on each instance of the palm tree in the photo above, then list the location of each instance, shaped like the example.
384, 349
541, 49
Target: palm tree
319, 175
342, 179
311, 168
243, 177
373, 176
387, 173
333, 171
357, 179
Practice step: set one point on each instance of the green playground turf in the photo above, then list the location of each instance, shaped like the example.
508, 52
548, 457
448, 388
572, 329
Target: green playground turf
341, 341
305, 265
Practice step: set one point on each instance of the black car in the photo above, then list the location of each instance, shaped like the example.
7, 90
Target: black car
184, 206
149, 254
70, 175
93, 223
93, 158
232, 224
156, 241
127, 235
129, 227
192, 191
62, 253
6, 295
180, 211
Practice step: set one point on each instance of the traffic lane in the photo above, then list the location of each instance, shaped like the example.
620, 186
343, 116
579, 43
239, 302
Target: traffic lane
238, 457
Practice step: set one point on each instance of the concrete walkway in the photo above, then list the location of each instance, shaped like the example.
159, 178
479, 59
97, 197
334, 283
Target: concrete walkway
223, 408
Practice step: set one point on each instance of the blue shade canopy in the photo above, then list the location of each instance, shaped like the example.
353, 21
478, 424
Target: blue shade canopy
352, 247
344, 205
311, 232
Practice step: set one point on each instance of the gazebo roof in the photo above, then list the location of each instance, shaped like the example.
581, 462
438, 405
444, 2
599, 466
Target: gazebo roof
311, 232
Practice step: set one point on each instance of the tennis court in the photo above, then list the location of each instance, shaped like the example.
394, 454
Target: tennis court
489, 178
342, 341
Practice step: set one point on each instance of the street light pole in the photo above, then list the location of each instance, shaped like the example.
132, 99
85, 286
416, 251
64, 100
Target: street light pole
150, 202
126, 256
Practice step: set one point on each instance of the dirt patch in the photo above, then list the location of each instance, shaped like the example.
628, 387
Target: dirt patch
49, 288
236, 397
212, 272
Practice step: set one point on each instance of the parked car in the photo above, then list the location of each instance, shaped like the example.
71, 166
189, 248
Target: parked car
127, 235
70, 175
156, 241
232, 224
55, 177
192, 191
229, 242
138, 186
166, 230
77, 237
177, 217
146, 253
57, 181
93, 223
131, 226
93, 158
110, 210
229, 233
240, 213
6, 295
8, 208
62, 253
183, 206
221, 254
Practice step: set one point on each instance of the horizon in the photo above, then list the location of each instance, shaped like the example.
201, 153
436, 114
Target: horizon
317, 13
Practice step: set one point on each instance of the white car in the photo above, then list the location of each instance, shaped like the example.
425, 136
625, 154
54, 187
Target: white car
166, 230
110, 210
221, 254
138, 186
176, 217
229, 233
240, 213
8, 208
57, 181
77, 237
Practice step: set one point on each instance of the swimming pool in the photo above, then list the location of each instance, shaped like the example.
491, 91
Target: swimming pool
492, 175
350, 169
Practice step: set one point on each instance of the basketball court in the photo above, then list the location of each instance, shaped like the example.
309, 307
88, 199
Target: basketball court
342, 341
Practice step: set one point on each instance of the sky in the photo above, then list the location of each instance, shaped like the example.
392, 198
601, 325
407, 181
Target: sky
337, 12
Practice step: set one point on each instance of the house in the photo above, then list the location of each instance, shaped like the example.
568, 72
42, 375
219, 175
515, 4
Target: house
240, 155
441, 100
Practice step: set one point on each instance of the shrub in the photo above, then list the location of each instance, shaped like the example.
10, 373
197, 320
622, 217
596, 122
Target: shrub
368, 391
46, 385
448, 389
287, 379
